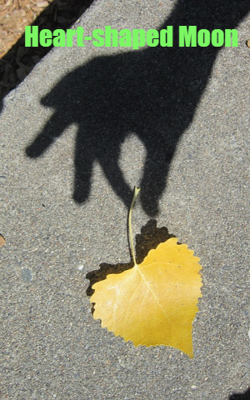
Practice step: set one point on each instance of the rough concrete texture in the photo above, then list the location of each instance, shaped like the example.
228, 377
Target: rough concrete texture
175, 121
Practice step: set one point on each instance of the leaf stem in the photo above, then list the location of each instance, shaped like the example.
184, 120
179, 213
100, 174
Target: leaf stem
136, 191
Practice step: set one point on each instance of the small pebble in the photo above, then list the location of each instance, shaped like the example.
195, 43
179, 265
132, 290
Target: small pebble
26, 274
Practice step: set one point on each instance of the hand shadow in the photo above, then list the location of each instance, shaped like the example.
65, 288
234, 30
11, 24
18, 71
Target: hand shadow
151, 92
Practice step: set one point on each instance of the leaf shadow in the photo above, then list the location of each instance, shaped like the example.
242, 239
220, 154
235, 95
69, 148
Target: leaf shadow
149, 238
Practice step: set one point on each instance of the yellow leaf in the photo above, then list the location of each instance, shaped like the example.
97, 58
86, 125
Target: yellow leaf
155, 302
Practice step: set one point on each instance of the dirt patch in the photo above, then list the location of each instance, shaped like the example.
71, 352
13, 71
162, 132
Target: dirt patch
16, 61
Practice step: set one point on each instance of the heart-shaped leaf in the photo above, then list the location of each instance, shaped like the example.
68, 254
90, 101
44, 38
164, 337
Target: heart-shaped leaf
155, 302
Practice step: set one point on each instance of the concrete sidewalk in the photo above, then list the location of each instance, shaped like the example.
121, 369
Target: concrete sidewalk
85, 127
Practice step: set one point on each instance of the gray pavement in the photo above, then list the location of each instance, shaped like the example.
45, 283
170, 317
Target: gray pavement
85, 127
